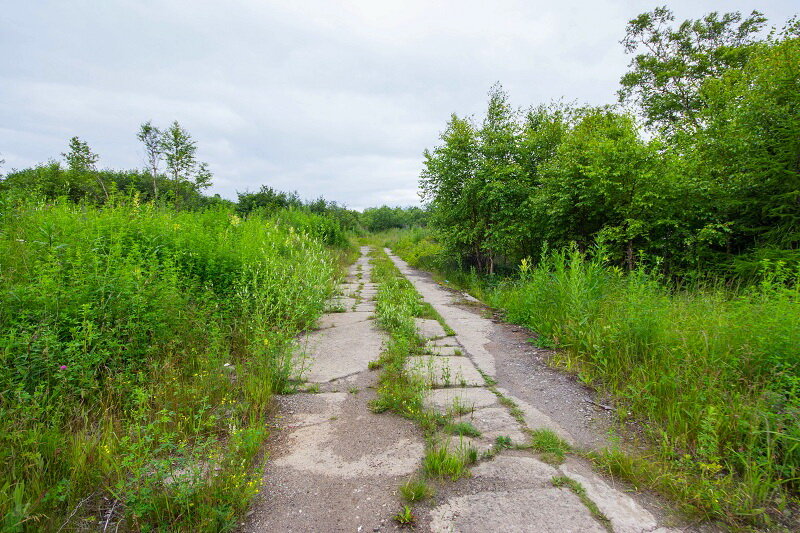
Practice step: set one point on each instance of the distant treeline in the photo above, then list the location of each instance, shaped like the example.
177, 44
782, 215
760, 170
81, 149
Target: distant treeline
710, 180
181, 184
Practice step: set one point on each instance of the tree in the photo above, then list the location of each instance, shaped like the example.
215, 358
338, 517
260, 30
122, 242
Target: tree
751, 146
202, 179
81, 162
602, 182
178, 149
179, 153
151, 137
665, 79
448, 183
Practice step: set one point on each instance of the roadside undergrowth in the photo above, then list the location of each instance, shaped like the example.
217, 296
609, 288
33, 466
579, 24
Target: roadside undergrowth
709, 371
139, 351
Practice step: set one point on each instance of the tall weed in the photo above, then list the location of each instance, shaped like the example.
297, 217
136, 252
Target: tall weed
715, 372
139, 348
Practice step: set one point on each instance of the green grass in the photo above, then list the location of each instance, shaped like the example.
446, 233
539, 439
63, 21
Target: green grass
711, 371
551, 446
415, 490
464, 429
139, 350
440, 462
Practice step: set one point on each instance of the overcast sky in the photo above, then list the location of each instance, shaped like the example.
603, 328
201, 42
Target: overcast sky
335, 98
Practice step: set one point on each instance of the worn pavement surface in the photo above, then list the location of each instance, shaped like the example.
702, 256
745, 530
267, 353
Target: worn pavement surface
335, 466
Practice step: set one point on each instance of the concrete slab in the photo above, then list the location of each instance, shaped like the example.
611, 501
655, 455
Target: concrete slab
549, 510
313, 440
442, 400
495, 422
519, 470
340, 351
625, 514
429, 328
535, 419
364, 307
445, 371
332, 320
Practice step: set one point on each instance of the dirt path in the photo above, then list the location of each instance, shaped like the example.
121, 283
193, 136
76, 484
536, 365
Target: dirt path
335, 466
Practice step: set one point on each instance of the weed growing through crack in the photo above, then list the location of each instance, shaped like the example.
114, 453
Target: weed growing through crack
464, 429
459, 407
415, 490
405, 517
580, 492
439, 462
552, 447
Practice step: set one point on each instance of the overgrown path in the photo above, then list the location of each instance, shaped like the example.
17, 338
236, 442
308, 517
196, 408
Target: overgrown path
515, 491
336, 466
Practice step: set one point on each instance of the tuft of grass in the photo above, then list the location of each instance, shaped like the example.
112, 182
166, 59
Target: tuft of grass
552, 447
415, 490
580, 492
439, 462
464, 429
458, 408
405, 518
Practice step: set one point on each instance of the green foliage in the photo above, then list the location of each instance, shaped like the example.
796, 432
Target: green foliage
665, 80
267, 200
376, 219
712, 371
82, 182
140, 348
717, 180
324, 229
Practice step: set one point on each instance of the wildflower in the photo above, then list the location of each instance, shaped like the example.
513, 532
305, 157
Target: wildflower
62, 367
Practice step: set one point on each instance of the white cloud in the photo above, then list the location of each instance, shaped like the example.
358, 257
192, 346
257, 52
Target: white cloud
332, 98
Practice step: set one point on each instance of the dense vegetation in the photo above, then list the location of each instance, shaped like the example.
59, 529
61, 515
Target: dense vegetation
714, 183
140, 347
662, 260
143, 330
